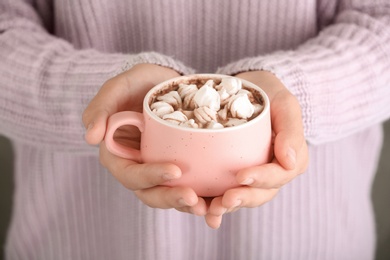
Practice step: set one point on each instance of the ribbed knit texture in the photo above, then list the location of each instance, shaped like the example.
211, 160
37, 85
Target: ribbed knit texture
334, 56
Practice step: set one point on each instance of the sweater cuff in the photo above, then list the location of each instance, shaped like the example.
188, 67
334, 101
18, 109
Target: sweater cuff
154, 58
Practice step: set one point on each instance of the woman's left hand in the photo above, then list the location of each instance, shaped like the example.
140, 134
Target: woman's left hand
262, 183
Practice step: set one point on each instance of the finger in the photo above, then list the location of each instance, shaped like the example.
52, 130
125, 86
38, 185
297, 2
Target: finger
168, 197
287, 125
123, 92
96, 128
247, 197
216, 207
266, 176
215, 213
213, 221
136, 176
105, 103
286, 117
199, 209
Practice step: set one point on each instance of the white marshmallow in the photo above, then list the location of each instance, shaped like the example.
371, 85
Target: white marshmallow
214, 125
205, 114
173, 98
234, 122
207, 96
222, 113
161, 108
185, 89
240, 106
258, 108
187, 93
201, 108
230, 85
176, 117
190, 124
224, 96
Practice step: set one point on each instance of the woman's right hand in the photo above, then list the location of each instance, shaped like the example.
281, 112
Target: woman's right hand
126, 92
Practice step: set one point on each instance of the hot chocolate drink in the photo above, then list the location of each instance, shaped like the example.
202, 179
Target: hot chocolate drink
207, 103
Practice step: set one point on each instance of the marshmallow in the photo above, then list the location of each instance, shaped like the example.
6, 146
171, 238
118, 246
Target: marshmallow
185, 89
187, 93
176, 117
161, 108
224, 96
173, 98
190, 124
207, 96
258, 108
223, 113
188, 113
230, 85
234, 122
214, 125
240, 106
205, 114
210, 106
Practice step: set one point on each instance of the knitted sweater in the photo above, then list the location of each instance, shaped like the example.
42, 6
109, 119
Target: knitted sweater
334, 56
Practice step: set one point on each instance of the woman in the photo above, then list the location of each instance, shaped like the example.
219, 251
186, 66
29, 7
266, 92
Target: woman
323, 64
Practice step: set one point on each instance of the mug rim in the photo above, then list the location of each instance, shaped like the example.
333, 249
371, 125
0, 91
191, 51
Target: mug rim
263, 113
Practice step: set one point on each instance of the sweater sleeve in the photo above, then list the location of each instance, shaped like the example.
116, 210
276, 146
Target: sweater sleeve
341, 77
46, 83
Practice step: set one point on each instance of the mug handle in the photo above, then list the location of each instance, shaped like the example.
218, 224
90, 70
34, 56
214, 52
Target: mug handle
114, 122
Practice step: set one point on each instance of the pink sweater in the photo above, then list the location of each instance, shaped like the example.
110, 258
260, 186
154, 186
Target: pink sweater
334, 56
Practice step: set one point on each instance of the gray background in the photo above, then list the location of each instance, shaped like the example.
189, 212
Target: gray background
380, 195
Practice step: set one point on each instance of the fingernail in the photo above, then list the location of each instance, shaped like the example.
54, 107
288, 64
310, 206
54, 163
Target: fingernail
182, 202
220, 212
292, 156
170, 176
90, 126
236, 204
248, 181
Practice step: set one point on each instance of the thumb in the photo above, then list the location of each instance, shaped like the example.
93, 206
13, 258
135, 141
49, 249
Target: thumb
95, 121
103, 105
118, 93
286, 147
288, 128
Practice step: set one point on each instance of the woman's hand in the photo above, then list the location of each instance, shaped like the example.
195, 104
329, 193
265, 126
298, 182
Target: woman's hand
126, 92
262, 183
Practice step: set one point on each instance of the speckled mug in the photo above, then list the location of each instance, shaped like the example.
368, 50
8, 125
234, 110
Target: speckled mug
209, 158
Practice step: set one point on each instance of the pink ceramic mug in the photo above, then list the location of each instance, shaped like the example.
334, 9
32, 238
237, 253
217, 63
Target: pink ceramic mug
209, 158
